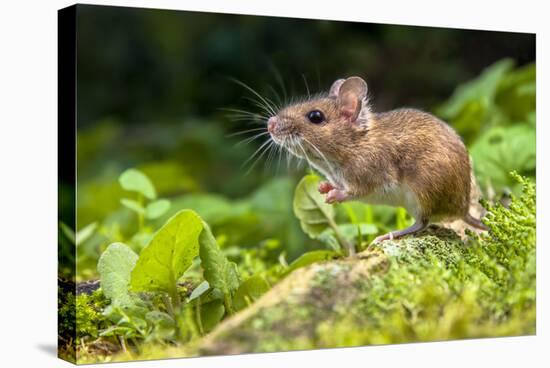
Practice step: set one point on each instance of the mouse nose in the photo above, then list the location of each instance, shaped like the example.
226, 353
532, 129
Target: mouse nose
271, 122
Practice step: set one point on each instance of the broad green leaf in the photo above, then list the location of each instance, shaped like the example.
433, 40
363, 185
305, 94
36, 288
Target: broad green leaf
249, 291
133, 205
473, 104
211, 314
130, 320
309, 206
199, 290
164, 326
169, 254
115, 266
483, 88
517, 93
218, 270
135, 181
309, 258
503, 150
84, 234
157, 208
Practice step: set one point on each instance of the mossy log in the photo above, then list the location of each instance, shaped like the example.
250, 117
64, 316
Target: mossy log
413, 289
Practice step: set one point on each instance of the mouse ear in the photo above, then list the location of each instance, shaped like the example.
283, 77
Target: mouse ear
335, 88
351, 94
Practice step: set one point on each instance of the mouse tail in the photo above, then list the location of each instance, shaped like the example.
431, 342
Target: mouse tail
472, 221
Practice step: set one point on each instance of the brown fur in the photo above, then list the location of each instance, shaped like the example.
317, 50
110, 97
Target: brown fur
403, 146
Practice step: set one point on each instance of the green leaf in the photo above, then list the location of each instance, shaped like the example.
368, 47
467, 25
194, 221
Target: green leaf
133, 205
309, 258
484, 86
218, 270
135, 181
249, 291
115, 266
350, 232
85, 233
199, 290
164, 326
517, 93
169, 254
68, 232
502, 150
473, 104
157, 208
309, 206
211, 314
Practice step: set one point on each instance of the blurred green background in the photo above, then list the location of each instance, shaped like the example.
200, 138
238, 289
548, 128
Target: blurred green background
152, 86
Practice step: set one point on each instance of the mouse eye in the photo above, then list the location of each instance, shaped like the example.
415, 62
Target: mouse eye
316, 116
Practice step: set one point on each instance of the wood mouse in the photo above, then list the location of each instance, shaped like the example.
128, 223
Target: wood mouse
404, 157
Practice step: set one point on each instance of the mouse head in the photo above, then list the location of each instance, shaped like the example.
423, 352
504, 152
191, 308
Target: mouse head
324, 125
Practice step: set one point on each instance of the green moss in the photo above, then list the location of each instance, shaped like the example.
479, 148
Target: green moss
425, 288
429, 287
438, 288
89, 317
66, 321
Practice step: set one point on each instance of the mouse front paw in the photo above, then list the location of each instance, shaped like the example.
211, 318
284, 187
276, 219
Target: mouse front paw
336, 195
325, 187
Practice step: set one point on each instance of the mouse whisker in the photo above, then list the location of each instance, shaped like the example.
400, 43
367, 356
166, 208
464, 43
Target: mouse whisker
273, 105
253, 91
270, 156
277, 74
330, 168
307, 86
250, 139
251, 118
243, 115
244, 132
242, 112
279, 153
280, 102
270, 110
256, 152
305, 155
270, 143
287, 152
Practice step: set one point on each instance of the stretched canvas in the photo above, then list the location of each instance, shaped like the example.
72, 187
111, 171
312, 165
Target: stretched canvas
234, 184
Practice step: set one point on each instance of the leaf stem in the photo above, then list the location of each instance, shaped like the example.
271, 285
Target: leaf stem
199, 318
343, 243
227, 304
173, 306
168, 304
141, 219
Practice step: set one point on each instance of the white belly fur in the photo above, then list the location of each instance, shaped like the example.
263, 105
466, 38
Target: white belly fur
397, 195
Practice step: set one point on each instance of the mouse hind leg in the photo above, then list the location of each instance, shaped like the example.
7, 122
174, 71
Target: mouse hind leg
419, 225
